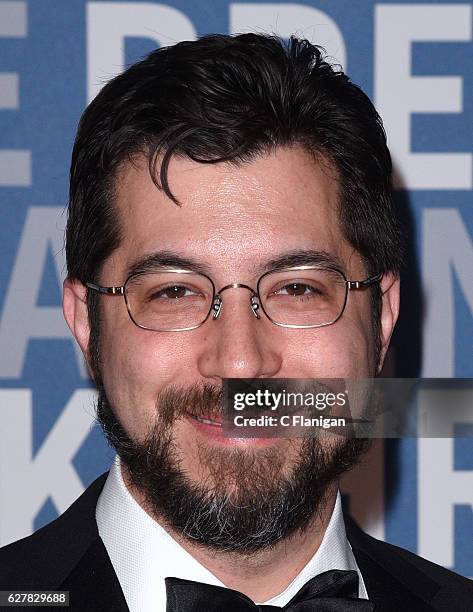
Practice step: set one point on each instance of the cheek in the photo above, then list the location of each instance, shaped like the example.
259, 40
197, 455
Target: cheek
342, 350
361, 327
137, 364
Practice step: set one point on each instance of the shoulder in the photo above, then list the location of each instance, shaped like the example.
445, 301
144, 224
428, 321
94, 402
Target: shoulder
408, 573
45, 558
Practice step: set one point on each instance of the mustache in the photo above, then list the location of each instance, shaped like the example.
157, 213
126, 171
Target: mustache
172, 403
203, 400
206, 400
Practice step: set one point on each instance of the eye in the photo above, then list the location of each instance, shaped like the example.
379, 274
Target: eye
173, 292
297, 289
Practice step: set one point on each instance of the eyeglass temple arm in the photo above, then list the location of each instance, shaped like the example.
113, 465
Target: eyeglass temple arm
106, 290
365, 283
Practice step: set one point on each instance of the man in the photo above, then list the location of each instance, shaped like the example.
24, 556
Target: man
216, 187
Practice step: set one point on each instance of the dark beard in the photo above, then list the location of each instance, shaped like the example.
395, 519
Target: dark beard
246, 504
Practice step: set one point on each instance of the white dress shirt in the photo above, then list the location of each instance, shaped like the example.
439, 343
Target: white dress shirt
143, 554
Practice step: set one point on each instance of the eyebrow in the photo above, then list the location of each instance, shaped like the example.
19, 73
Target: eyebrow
166, 259
289, 259
300, 257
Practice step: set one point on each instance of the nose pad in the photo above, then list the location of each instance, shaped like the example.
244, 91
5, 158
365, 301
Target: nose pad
218, 303
217, 306
255, 306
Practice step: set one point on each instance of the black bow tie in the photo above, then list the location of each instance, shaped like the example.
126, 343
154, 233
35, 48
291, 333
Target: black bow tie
333, 591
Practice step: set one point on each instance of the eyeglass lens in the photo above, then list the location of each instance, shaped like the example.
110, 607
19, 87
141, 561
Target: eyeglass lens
312, 297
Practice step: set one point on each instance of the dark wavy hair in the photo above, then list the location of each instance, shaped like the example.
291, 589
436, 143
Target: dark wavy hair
230, 98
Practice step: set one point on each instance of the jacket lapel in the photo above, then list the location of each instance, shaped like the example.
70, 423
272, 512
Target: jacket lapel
392, 582
93, 584
83, 566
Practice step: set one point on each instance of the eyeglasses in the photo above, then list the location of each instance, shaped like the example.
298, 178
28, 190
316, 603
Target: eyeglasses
181, 300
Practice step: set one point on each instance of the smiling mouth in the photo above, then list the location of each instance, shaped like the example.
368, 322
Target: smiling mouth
205, 421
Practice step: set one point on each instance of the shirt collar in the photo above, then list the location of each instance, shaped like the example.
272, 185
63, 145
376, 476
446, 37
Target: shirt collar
143, 553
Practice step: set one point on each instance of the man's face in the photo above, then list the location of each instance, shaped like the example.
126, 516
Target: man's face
233, 220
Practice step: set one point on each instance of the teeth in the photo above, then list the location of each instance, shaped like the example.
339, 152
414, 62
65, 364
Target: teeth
206, 421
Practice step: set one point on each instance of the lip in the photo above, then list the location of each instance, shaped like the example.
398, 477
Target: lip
212, 429
207, 420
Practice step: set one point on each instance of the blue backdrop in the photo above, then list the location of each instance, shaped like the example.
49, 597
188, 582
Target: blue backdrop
414, 60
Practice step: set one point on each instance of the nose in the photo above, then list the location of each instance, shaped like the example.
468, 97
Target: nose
238, 344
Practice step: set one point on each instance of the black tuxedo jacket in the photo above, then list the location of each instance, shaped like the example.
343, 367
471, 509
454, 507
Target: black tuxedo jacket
69, 555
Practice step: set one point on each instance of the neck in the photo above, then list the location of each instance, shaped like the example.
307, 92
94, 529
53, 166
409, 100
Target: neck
261, 575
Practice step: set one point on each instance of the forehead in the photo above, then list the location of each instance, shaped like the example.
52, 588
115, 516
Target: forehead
232, 216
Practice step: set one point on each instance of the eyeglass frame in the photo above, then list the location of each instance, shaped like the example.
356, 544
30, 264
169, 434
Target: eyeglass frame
217, 301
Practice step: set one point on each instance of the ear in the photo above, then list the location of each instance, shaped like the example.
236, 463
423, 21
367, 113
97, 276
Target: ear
74, 306
390, 295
